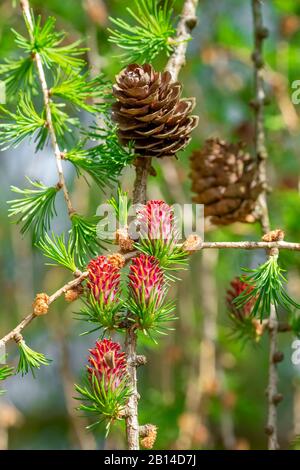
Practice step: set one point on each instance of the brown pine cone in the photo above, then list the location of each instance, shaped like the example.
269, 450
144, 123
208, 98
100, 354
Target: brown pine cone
224, 178
149, 112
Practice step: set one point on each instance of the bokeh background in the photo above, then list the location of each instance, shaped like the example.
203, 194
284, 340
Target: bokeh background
201, 387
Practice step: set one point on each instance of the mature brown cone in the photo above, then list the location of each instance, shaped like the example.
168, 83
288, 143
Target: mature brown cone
149, 111
224, 178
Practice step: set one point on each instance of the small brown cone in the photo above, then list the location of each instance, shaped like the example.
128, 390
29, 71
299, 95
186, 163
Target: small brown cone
150, 112
41, 304
148, 436
274, 236
192, 243
117, 260
224, 178
124, 241
73, 294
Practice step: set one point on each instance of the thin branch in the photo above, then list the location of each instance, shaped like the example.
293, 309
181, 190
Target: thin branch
261, 33
68, 286
80, 277
282, 327
248, 245
47, 103
272, 392
132, 421
251, 245
143, 166
27, 320
188, 21
258, 104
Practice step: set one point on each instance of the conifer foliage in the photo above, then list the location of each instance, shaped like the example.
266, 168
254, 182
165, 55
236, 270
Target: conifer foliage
109, 305
124, 284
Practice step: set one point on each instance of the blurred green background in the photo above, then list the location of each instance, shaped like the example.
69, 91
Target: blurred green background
201, 387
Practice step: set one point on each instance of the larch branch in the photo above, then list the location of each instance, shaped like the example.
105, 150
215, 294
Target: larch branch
248, 245
258, 104
81, 276
177, 60
251, 245
187, 22
47, 103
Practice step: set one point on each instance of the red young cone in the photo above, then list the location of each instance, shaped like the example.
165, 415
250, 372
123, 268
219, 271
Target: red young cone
146, 280
107, 389
104, 280
159, 233
156, 219
147, 303
107, 364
